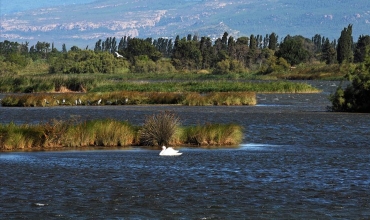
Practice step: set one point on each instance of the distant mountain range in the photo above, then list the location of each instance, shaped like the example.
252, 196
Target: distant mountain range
83, 22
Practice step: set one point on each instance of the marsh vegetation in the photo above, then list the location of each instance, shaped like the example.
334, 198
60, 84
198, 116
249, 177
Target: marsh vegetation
158, 129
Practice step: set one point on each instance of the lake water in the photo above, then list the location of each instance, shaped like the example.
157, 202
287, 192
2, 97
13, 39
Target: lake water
297, 161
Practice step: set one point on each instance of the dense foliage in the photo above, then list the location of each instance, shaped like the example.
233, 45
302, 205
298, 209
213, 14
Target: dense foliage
225, 55
85, 61
356, 96
345, 44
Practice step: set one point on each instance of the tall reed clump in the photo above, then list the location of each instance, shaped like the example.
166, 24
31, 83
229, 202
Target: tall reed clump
13, 137
99, 133
69, 133
195, 99
213, 134
53, 133
233, 98
159, 129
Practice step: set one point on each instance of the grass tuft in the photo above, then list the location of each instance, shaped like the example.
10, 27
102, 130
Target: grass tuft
159, 129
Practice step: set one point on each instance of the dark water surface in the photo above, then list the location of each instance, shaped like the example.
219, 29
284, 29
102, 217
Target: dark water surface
297, 161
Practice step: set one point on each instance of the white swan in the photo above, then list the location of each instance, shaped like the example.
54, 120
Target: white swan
169, 152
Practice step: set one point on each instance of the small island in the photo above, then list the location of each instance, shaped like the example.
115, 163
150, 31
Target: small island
159, 129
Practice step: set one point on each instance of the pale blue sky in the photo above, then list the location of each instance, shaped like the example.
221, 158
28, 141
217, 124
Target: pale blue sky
12, 6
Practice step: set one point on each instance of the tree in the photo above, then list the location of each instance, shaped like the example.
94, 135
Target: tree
75, 48
317, 41
231, 47
137, 47
265, 41
64, 48
328, 52
241, 49
292, 50
344, 48
273, 41
206, 51
164, 46
40, 50
252, 43
186, 54
224, 41
356, 97
360, 49
272, 63
8, 47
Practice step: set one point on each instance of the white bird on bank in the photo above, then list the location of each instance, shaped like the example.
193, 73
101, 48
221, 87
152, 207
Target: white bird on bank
169, 152
118, 55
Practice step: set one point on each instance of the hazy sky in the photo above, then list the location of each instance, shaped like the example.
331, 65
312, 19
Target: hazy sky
12, 6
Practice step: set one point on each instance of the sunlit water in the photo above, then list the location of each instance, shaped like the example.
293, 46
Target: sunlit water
297, 161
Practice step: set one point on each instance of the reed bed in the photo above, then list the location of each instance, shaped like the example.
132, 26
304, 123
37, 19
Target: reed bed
129, 98
214, 134
14, 136
112, 133
99, 133
50, 83
208, 86
150, 83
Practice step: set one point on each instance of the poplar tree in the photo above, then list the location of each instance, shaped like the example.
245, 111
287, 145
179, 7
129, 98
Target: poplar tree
224, 41
64, 48
344, 48
328, 52
360, 49
273, 39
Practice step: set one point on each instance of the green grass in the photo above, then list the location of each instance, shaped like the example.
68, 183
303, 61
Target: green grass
164, 82
213, 134
209, 86
316, 71
107, 133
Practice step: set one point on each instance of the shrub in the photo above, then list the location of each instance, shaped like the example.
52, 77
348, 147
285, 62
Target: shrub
159, 129
356, 97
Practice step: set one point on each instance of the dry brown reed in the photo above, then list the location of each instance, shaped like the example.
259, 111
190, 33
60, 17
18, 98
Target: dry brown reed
159, 129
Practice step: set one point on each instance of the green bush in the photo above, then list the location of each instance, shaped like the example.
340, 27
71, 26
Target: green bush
356, 97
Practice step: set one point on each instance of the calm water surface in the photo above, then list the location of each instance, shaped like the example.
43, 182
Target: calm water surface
297, 161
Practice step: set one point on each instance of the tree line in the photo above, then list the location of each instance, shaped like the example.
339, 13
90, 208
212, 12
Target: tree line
262, 54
